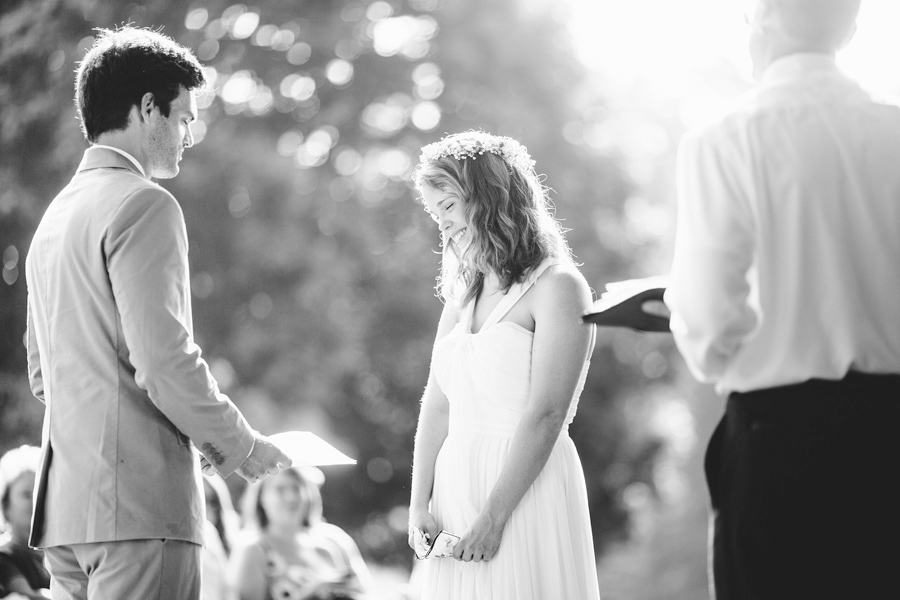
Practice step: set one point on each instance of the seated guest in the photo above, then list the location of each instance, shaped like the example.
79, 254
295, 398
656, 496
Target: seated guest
289, 550
21, 568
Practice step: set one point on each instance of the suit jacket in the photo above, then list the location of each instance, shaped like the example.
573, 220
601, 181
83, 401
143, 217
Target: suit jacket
111, 353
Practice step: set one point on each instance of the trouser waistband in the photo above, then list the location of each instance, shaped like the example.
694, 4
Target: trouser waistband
857, 392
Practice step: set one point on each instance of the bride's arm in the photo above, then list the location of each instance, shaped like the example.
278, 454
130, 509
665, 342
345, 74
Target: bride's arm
430, 434
560, 347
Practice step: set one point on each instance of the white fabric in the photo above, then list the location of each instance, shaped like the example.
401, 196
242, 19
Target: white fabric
787, 253
547, 549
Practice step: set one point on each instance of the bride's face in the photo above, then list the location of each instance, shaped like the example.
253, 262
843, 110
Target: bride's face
447, 210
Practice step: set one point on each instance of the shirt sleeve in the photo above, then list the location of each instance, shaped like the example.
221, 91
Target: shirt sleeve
147, 262
714, 245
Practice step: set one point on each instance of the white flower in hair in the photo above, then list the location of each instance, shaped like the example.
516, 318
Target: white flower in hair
472, 144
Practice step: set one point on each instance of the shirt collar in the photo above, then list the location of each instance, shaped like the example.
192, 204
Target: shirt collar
125, 154
793, 66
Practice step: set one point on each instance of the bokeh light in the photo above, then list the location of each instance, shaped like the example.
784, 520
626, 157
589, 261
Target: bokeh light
244, 25
299, 53
426, 116
386, 117
288, 142
339, 72
196, 18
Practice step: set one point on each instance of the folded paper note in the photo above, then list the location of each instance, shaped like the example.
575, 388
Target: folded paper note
441, 548
308, 449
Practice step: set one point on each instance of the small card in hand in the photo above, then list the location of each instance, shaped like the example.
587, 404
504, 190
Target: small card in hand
441, 547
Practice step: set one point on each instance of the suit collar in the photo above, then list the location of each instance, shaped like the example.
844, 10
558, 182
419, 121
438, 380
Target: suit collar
106, 158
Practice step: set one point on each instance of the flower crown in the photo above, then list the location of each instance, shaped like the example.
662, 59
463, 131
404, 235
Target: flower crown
472, 144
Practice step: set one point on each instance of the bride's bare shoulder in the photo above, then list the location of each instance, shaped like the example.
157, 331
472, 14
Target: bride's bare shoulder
562, 281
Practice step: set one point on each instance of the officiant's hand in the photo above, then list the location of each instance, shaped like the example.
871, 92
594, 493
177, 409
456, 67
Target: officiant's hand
480, 541
656, 308
623, 289
265, 459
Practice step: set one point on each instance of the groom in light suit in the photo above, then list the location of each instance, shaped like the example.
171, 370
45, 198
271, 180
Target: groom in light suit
119, 507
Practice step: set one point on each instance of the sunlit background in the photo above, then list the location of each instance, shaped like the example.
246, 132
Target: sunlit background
665, 45
689, 60
313, 266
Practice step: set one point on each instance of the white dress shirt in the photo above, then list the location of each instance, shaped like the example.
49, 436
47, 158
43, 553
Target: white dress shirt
787, 252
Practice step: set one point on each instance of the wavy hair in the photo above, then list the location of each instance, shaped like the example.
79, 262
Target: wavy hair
511, 226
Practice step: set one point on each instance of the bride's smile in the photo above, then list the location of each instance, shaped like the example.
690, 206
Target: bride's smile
456, 237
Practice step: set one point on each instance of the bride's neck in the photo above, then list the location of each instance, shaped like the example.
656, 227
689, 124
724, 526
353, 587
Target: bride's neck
490, 284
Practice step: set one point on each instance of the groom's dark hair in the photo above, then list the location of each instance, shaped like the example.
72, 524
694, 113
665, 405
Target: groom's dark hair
122, 66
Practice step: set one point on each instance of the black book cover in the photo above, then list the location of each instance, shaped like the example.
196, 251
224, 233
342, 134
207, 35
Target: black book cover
626, 308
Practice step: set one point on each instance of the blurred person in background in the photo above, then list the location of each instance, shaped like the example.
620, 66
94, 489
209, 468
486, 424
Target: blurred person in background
493, 457
220, 529
111, 350
288, 550
22, 569
784, 294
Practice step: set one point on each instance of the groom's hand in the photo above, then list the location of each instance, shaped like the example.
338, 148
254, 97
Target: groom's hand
265, 459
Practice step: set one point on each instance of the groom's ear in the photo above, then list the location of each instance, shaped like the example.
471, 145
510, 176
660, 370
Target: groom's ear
146, 107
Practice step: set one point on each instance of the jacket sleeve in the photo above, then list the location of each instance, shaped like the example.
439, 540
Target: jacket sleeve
147, 262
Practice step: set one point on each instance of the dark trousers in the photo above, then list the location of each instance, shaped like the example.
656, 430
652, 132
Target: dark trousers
804, 482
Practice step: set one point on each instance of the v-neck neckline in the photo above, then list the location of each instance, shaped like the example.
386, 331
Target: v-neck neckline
515, 291
488, 320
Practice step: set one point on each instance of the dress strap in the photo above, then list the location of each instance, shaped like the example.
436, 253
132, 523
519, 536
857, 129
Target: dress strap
516, 291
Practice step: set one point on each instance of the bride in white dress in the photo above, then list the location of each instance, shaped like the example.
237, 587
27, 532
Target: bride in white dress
493, 461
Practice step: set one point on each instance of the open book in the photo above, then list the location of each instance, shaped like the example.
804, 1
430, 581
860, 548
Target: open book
625, 304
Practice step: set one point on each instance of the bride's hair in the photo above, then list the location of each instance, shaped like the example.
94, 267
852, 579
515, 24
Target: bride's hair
511, 226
